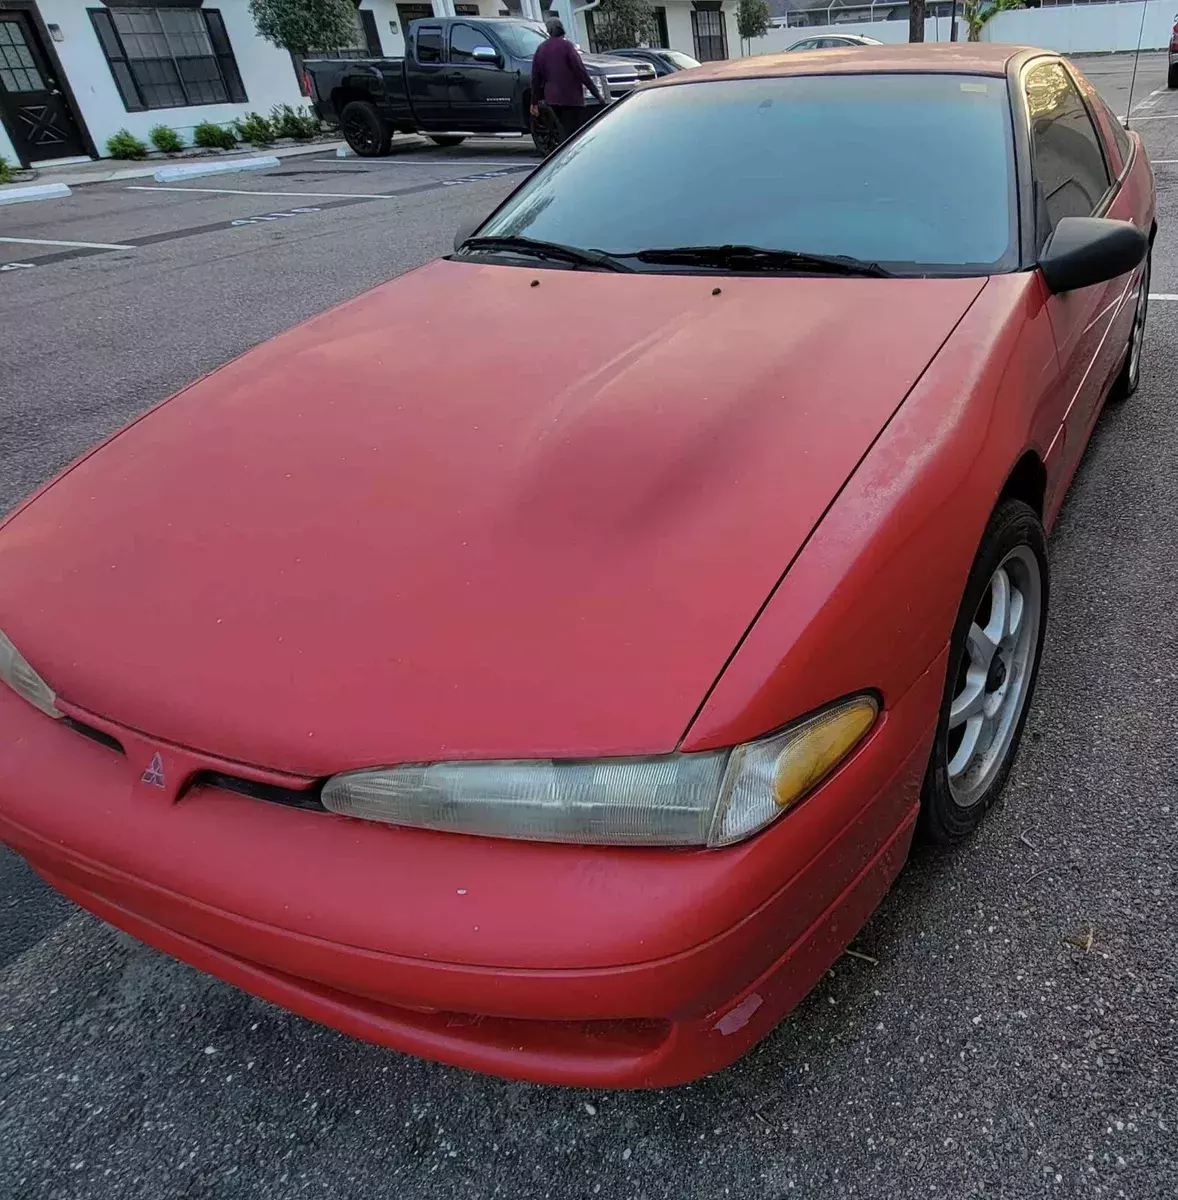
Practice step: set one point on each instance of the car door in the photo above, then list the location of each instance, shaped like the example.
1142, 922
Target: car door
480, 91
1071, 178
429, 87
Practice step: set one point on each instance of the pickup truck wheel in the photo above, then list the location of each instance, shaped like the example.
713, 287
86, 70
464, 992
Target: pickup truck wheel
445, 140
546, 131
364, 129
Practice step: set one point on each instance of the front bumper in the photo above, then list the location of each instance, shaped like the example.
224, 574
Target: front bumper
579, 965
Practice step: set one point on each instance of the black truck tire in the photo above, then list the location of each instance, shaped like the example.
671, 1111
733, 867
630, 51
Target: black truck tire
445, 139
1172, 77
364, 129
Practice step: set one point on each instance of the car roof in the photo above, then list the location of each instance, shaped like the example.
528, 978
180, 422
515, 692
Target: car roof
965, 58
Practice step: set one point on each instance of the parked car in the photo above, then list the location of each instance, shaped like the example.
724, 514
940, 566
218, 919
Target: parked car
663, 61
1172, 77
561, 706
839, 41
461, 75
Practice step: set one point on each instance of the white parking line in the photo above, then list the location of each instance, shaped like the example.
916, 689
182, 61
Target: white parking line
1162, 296
1160, 117
432, 162
245, 192
75, 245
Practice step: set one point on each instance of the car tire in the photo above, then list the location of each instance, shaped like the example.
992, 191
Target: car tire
446, 140
546, 131
1126, 382
364, 129
1172, 78
993, 665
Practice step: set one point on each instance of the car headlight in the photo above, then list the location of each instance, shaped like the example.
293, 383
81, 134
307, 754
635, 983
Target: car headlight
16, 672
708, 799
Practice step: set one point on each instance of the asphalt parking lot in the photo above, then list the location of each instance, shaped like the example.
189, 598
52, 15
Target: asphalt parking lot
1009, 1027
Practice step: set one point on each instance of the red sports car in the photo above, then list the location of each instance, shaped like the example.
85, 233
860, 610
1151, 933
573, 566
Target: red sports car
542, 662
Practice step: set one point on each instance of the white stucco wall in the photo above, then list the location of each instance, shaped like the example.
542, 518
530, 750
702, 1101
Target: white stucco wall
265, 70
7, 152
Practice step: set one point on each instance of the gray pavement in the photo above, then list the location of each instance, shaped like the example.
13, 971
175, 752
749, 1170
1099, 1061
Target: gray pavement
1016, 1036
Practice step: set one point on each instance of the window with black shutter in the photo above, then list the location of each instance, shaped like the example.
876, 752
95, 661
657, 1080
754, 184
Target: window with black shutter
709, 30
168, 57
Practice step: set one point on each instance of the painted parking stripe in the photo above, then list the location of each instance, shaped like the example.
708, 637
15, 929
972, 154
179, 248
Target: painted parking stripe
431, 162
246, 192
1162, 296
15, 241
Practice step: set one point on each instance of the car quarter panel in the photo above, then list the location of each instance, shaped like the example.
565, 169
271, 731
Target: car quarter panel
871, 599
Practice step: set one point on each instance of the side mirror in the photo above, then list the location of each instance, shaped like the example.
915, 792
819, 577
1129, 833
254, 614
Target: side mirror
485, 54
1087, 250
464, 231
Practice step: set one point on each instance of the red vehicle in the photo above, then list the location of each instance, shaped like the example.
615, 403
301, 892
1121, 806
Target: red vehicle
558, 700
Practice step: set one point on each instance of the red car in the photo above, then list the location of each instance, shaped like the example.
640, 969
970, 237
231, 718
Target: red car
542, 662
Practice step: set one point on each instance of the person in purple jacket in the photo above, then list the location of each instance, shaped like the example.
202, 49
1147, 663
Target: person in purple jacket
559, 78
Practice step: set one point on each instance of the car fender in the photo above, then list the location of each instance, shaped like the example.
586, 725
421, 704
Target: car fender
870, 599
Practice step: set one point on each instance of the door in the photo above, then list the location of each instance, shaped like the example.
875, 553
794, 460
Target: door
428, 79
32, 106
480, 92
1072, 179
709, 30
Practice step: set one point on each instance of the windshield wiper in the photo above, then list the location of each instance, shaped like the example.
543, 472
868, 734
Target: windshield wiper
757, 258
550, 250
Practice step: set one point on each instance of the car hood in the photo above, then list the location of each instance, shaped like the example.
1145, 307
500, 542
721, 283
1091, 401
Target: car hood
480, 511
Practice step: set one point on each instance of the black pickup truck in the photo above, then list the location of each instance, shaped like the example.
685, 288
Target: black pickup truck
462, 75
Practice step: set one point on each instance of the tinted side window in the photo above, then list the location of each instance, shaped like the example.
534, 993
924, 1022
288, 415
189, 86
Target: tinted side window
429, 44
463, 40
1068, 159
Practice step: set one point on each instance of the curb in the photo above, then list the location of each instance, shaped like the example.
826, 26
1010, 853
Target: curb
34, 191
196, 170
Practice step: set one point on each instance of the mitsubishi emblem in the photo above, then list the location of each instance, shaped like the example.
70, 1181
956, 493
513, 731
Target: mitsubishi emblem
155, 772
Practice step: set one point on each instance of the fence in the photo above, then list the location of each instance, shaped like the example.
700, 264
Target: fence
1068, 28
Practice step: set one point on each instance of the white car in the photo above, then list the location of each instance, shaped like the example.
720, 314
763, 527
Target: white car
842, 40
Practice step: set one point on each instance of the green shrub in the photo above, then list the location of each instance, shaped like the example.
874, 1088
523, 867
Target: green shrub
125, 145
214, 137
255, 129
165, 138
299, 123
5, 170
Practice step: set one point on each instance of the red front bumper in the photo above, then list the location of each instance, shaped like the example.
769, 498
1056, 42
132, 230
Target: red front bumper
579, 965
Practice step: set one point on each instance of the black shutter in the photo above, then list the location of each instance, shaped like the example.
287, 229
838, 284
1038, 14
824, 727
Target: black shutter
215, 24
116, 58
371, 36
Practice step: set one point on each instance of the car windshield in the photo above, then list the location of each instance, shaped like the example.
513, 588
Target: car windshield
910, 171
520, 38
683, 61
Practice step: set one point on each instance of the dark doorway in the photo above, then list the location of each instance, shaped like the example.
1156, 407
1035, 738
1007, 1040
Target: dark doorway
710, 31
33, 104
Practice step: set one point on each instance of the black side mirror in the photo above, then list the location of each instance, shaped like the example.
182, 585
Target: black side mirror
464, 231
1087, 250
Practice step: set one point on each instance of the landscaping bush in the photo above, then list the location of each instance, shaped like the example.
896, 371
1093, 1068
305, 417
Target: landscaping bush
214, 137
125, 145
165, 138
255, 129
5, 170
298, 123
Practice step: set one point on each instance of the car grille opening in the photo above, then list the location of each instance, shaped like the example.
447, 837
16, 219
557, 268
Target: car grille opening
95, 735
307, 798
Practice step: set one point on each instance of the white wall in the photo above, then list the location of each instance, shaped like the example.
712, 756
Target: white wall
1080, 28
1069, 29
7, 150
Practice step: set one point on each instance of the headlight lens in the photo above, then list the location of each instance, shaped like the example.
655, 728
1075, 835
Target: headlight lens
16, 672
709, 799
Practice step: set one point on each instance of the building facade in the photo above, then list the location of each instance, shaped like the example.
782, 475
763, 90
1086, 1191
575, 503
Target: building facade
74, 72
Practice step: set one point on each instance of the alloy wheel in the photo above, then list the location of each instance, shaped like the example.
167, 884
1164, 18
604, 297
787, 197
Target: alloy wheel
995, 676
